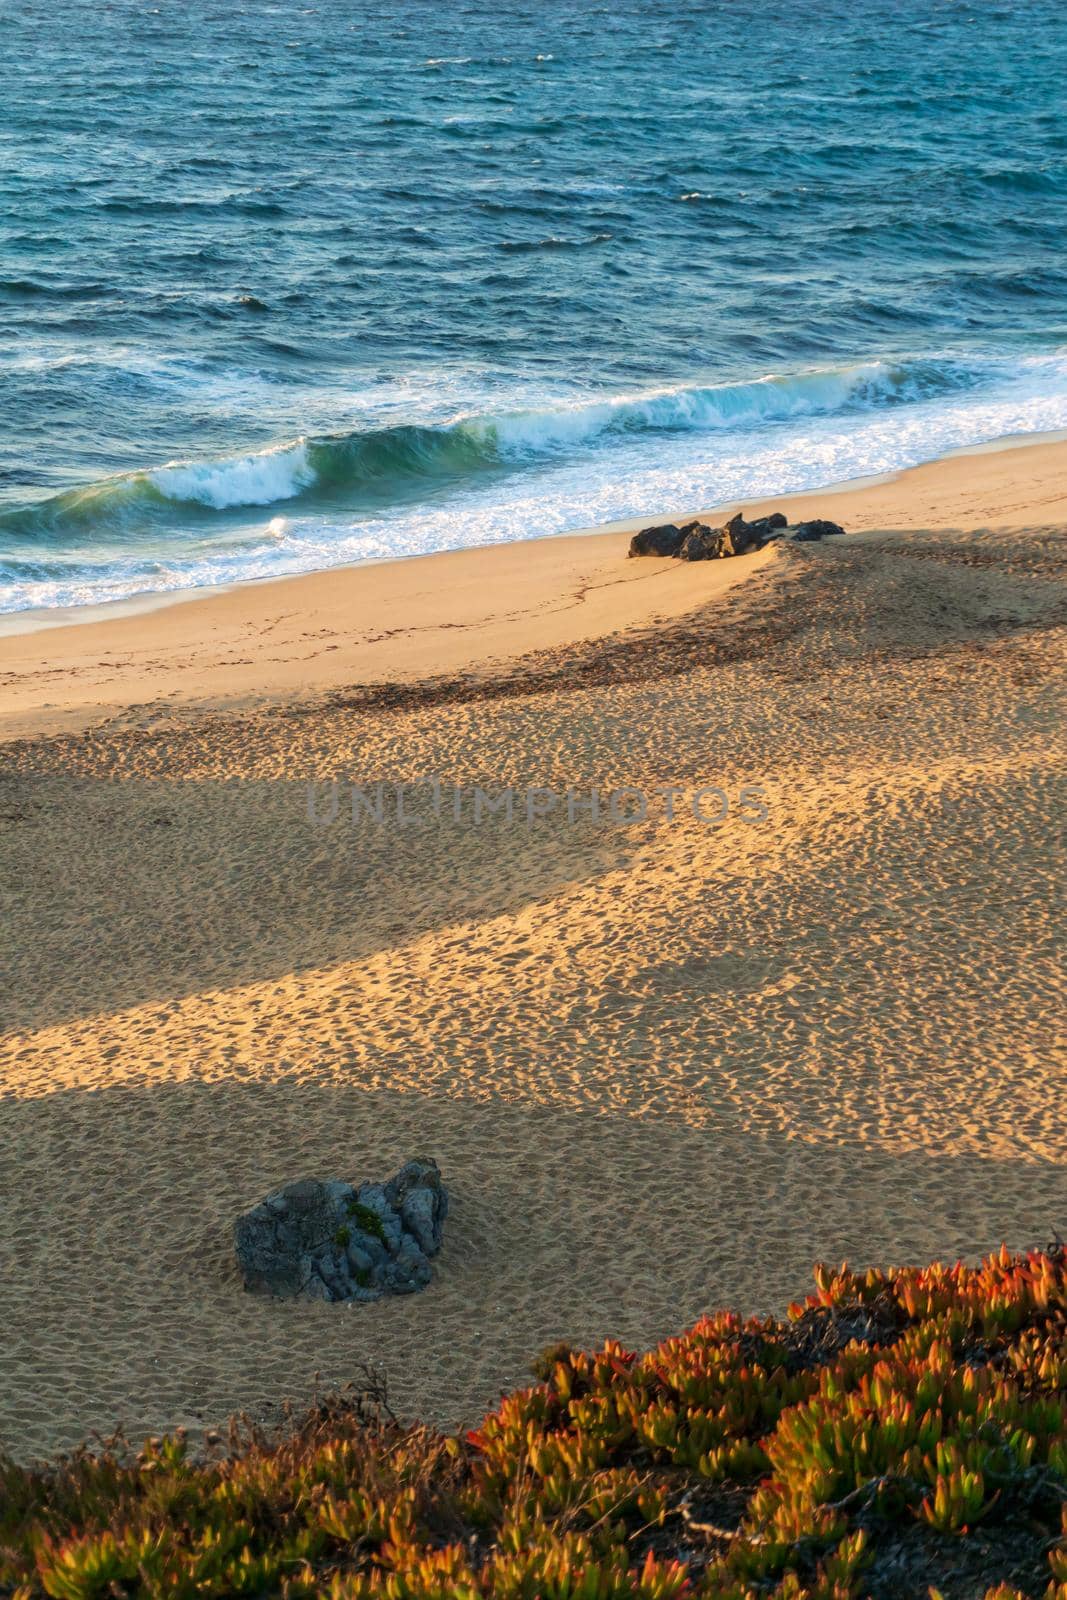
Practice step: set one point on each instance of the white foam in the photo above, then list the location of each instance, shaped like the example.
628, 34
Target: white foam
730, 405
254, 480
781, 438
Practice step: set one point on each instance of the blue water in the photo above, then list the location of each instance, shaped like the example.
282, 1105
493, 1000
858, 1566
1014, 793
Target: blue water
287, 285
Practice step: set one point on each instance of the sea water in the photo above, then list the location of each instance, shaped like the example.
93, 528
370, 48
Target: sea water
284, 285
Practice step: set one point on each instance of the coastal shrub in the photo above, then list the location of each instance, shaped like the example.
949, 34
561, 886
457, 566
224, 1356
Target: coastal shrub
900, 1433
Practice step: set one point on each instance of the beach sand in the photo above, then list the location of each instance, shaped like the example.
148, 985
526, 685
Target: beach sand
664, 1066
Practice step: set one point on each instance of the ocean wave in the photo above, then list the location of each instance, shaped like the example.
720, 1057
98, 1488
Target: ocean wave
252, 480
31, 288
552, 242
617, 468
374, 467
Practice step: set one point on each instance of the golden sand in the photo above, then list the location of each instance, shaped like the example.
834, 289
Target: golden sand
663, 1066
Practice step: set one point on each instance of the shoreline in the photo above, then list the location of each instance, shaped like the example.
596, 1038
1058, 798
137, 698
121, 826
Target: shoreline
285, 640
13, 624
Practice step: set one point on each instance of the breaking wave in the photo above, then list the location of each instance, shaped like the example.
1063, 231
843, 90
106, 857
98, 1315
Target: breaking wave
372, 467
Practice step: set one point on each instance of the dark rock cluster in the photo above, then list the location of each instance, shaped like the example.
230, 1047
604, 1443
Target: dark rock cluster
328, 1240
696, 541
811, 532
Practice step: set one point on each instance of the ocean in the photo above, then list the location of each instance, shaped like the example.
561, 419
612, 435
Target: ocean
284, 286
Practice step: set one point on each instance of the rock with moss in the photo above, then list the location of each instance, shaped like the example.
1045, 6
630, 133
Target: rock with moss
321, 1239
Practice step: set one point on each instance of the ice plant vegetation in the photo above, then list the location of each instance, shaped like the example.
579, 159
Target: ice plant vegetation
902, 1433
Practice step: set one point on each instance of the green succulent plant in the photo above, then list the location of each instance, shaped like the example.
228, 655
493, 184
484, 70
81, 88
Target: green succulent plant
742, 1460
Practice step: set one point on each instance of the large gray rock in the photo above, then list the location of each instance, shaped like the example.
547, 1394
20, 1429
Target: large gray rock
331, 1241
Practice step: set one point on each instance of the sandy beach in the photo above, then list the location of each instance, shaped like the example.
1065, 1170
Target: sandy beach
664, 1065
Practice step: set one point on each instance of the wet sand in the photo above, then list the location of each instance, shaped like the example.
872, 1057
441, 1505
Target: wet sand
291, 639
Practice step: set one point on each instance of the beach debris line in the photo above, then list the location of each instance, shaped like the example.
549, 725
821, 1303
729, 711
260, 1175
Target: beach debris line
698, 541
321, 1239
